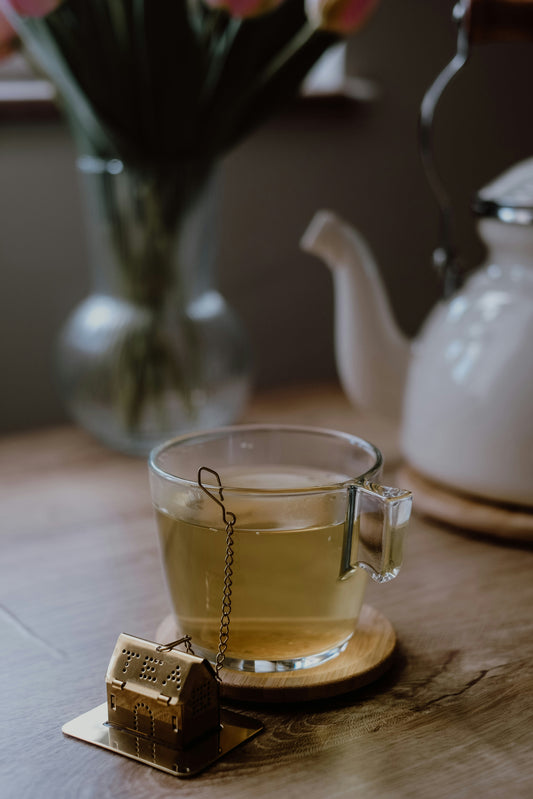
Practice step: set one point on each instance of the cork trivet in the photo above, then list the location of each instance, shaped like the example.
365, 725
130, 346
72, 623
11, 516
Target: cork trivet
465, 512
367, 656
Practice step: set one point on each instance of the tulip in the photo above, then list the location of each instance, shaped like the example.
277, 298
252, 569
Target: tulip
7, 37
243, 9
339, 16
33, 8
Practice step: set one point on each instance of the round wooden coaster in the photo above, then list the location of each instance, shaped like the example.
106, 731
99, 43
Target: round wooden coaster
468, 513
367, 657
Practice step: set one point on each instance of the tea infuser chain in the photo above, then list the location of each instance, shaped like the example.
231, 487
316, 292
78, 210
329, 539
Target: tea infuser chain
229, 520
220, 500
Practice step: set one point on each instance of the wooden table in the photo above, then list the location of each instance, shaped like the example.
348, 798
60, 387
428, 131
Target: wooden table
79, 564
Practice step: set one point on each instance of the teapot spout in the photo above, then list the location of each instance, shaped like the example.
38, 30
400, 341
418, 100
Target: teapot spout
372, 354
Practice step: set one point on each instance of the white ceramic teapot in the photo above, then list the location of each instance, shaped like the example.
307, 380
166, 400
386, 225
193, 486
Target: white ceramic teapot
464, 387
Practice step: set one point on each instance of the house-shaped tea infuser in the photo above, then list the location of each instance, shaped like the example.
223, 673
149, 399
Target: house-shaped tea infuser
163, 704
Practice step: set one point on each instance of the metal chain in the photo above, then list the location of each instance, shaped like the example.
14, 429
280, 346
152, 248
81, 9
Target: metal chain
229, 520
226, 600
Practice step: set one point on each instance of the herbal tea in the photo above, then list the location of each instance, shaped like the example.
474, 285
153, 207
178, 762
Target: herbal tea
287, 599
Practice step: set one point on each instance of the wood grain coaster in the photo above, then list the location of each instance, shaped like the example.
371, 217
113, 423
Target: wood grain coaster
467, 513
367, 656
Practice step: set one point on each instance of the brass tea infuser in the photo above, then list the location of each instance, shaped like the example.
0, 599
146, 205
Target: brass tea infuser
163, 704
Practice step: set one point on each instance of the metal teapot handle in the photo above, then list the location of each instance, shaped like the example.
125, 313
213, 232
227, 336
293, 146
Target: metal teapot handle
478, 21
376, 519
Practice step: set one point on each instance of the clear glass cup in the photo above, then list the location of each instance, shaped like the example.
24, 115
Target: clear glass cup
311, 523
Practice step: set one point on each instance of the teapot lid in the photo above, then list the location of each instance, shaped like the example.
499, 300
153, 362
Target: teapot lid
508, 198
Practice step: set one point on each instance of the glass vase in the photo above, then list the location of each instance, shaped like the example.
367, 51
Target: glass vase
154, 351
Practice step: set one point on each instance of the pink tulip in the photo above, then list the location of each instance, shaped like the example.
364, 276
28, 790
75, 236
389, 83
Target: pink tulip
33, 8
7, 37
339, 16
245, 8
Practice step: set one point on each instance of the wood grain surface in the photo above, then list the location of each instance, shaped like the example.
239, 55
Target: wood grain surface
453, 717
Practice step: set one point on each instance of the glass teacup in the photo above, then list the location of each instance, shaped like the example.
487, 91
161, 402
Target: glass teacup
311, 523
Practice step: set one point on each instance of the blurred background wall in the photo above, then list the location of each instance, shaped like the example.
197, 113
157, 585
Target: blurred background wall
359, 159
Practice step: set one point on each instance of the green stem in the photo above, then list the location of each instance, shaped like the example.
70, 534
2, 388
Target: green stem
42, 45
282, 61
220, 54
283, 58
144, 210
145, 100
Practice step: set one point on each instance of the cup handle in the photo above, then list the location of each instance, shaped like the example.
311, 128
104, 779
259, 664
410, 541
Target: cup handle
373, 532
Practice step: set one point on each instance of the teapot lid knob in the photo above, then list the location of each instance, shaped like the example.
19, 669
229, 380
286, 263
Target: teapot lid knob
509, 197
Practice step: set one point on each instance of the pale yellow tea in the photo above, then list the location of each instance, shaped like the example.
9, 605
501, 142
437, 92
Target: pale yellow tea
287, 599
